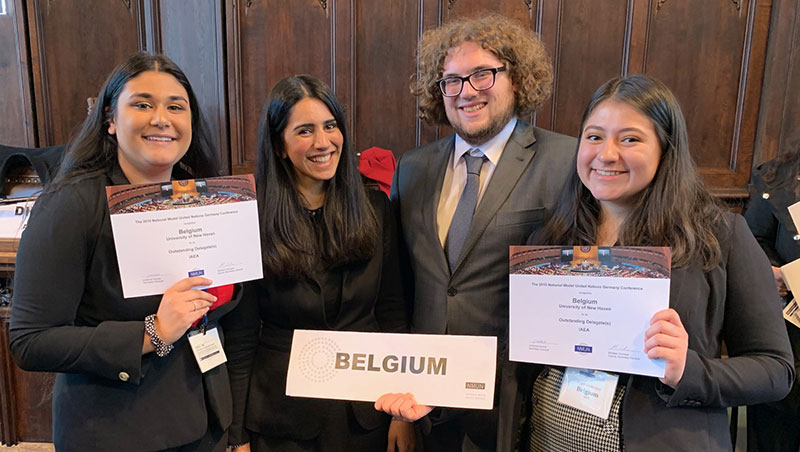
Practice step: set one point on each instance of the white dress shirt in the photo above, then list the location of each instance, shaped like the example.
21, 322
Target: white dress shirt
455, 175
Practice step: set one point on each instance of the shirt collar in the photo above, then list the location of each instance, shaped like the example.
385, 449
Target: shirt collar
492, 149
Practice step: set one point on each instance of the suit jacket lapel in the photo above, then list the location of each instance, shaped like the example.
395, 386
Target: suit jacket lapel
437, 163
513, 162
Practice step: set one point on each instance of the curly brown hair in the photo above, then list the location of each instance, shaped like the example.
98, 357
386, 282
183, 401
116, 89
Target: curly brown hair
518, 47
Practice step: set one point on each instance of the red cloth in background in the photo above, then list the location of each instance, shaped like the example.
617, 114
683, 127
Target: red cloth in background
378, 164
224, 294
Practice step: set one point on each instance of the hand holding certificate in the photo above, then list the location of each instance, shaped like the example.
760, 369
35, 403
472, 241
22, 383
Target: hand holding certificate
166, 232
591, 307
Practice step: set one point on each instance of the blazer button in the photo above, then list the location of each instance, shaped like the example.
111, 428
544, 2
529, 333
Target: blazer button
796, 237
124, 376
765, 195
452, 291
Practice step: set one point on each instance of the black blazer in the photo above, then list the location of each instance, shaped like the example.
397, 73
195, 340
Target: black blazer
260, 334
769, 219
735, 302
68, 316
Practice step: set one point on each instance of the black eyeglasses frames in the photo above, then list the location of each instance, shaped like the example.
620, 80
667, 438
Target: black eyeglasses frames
480, 80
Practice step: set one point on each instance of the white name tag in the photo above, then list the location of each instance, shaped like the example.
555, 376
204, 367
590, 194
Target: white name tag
792, 313
207, 349
588, 390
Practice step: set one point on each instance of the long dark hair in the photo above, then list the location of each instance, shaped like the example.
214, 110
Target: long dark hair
292, 246
93, 150
674, 210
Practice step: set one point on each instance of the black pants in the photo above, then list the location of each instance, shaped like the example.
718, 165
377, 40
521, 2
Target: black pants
340, 432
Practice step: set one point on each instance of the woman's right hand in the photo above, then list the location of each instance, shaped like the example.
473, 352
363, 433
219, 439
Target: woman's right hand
181, 306
779, 282
402, 406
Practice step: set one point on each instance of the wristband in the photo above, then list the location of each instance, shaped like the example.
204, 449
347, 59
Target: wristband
160, 347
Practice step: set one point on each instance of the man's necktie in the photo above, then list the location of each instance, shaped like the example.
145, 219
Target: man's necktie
462, 218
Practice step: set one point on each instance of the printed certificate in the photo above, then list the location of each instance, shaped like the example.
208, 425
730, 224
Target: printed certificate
586, 306
197, 227
440, 370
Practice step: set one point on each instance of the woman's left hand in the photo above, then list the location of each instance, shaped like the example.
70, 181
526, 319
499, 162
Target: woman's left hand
667, 339
401, 436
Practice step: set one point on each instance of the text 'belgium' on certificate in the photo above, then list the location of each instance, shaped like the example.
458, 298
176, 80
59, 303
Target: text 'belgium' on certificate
586, 306
174, 230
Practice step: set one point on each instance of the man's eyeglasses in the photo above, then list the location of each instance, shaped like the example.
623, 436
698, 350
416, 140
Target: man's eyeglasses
480, 80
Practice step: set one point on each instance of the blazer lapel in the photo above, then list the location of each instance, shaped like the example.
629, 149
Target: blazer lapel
513, 162
437, 163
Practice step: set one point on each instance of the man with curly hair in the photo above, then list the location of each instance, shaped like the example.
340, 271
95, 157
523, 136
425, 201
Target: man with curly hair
464, 199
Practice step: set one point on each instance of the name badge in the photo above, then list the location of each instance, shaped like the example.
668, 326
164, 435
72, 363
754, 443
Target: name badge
588, 390
207, 349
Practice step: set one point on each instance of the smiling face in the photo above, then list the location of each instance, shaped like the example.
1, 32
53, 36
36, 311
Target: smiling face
477, 116
313, 143
618, 155
153, 126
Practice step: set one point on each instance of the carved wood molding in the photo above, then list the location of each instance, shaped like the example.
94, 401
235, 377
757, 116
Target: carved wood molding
737, 4
324, 5
451, 4
127, 3
660, 4
529, 4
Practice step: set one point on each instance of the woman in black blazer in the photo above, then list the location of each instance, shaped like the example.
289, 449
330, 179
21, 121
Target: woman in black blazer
330, 263
127, 378
776, 186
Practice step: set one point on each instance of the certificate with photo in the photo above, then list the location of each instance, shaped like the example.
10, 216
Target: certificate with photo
440, 370
586, 306
174, 230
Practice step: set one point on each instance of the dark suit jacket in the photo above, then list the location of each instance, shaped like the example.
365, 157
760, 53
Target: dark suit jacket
774, 230
260, 335
474, 299
68, 316
736, 303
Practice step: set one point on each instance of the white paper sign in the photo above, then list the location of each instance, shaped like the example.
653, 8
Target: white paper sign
587, 307
14, 219
794, 212
440, 370
792, 313
791, 275
166, 232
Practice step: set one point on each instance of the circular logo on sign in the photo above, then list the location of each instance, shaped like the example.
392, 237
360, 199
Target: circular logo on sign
586, 249
183, 183
317, 359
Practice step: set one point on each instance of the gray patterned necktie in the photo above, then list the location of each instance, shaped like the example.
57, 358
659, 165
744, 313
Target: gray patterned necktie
462, 218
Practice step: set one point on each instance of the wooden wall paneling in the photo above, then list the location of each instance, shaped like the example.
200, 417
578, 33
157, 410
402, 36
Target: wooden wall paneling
344, 58
194, 39
779, 114
74, 46
385, 112
430, 16
8, 402
267, 41
590, 46
27, 397
16, 101
521, 10
715, 70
